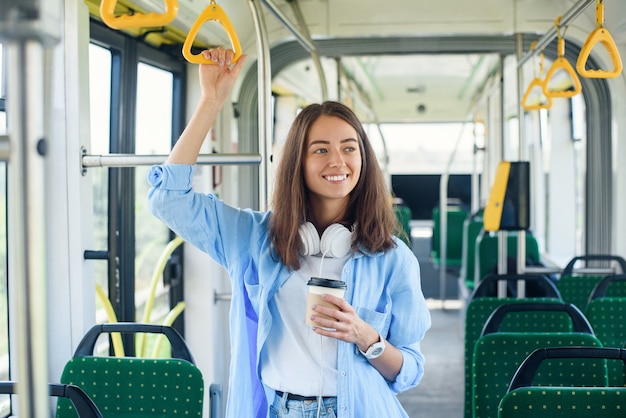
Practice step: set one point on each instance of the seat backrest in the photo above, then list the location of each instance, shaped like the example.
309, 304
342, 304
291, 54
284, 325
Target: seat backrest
490, 377
576, 287
81, 405
525, 400
536, 285
497, 357
613, 285
607, 316
549, 311
541, 402
487, 251
454, 237
136, 387
480, 309
472, 228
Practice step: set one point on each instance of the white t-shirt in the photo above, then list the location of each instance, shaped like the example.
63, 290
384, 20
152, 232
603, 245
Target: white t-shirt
298, 360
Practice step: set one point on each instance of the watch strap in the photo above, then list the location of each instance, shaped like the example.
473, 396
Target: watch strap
374, 350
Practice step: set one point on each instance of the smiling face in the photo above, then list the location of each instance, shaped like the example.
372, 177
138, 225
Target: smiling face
332, 161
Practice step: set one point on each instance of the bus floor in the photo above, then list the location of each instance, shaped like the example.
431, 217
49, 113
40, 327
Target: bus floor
441, 391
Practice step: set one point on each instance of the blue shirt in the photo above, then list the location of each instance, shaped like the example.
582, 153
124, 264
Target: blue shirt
383, 288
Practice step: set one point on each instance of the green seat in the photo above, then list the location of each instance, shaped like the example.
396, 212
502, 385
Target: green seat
608, 319
125, 387
480, 309
498, 354
403, 214
472, 228
607, 316
487, 251
526, 399
541, 402
576, 288
454, 236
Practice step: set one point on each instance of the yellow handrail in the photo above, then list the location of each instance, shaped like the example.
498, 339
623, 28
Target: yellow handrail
137, 20
561, 64
168, 321
536, 84
116, 338
154, 281
599, 35
212, 12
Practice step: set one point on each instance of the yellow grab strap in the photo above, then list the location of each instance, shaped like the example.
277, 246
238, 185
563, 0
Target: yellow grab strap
599, 35
212, 12
561, 64
137, 20
536, 85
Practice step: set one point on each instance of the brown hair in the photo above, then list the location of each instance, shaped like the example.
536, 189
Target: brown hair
369, 207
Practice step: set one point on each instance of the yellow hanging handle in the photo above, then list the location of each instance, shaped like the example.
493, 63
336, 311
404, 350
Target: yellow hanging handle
212, 12
599, 35
154, 281
536, 85
137, 20
561, 64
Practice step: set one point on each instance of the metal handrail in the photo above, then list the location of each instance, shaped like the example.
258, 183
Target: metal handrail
133, 160
304, 41
264, 83
552, 33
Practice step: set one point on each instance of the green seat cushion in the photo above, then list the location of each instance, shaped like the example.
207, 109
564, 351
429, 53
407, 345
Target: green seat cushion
498, 356
571, 402
125, 387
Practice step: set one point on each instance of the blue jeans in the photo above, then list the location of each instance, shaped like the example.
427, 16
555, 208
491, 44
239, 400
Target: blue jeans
302, 409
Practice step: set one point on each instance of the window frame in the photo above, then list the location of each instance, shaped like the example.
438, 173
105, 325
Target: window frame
126, 53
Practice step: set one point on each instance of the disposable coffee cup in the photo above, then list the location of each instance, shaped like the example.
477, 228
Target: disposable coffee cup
317, 287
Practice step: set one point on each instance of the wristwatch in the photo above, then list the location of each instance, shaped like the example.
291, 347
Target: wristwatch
374, 350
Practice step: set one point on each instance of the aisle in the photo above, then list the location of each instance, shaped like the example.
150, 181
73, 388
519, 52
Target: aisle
441, 392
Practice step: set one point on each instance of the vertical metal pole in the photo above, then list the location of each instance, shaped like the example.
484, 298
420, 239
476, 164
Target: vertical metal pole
338, 63
26, 226
26, 27
265, 99
502, 235
475, 203
443, 234
521, 235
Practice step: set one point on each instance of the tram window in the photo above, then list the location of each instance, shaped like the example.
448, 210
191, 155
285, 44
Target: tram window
140, 96
579, 136
153, 136
426, 148
4, 311
2, 81
100, 93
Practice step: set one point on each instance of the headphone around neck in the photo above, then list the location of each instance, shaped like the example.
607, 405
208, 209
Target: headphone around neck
335, 242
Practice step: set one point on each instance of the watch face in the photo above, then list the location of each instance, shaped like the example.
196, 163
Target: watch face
378, 351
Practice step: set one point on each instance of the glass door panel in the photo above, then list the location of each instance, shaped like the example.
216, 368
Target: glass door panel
153, 136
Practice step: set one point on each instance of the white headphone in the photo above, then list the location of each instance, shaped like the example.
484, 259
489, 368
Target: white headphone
336, 240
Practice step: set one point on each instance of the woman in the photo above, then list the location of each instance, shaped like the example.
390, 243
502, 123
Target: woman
363, 348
